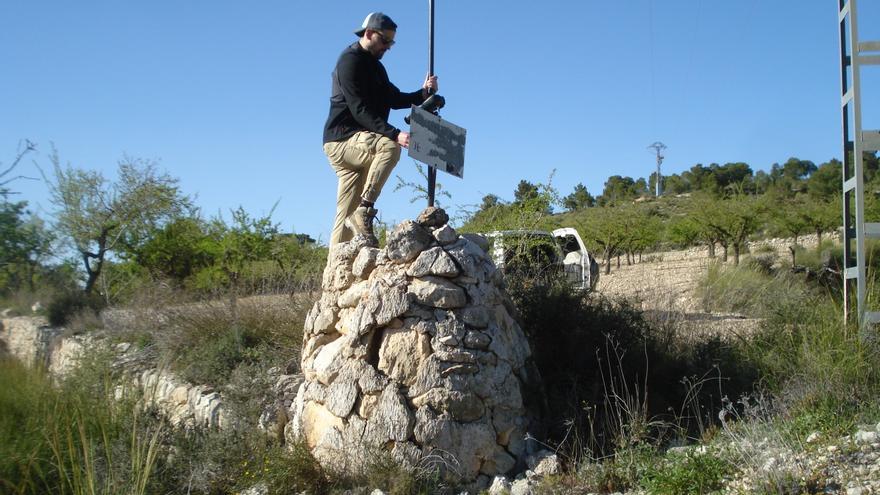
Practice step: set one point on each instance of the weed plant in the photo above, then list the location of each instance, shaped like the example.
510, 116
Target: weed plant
612, 380
204, 342
209, 341
73, 438
754, 289
78, 437
690, 472
383, 471
801, 371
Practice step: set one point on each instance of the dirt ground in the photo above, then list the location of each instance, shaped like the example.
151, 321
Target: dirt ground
664, 285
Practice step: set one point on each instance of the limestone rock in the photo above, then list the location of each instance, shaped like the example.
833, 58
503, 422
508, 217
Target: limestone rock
433, 261
370, 381
340, 397
470, 444
353, 295
477, 340
364, 262
445, 235
401, 353
521, 487
544, 463
437, 292
475, 316
433, 217
317, 422
329, 361
387, 303
462, 406
406, 242
392, 419
478, 240
501, 462
500, 486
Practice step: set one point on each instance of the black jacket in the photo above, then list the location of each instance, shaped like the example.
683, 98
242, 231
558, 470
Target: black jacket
362, 97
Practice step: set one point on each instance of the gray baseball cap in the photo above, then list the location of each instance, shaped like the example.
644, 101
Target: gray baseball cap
377, 21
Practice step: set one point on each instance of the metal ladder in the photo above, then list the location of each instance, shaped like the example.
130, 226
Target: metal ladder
854, 55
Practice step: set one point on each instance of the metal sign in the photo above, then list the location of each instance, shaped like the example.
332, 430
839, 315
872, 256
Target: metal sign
436, 142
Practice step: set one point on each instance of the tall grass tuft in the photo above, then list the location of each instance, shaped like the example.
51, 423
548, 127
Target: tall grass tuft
749, 291
72, 437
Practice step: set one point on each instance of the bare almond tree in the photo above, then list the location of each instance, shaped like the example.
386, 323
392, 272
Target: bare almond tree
99, 217
24, 148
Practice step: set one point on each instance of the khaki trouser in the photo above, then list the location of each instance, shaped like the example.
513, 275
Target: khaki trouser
363, 163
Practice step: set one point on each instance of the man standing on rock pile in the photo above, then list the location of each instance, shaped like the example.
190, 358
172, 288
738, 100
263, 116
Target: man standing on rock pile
361, 145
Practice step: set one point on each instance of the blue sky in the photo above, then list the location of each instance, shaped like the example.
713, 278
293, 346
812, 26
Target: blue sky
231, 97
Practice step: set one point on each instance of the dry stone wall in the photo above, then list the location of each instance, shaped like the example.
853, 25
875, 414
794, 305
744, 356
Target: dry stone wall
412, 351
33, 342
28, 339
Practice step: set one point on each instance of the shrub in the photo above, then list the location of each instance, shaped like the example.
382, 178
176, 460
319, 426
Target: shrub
66, 305
611, 379
808, 357
745, 290
205, 342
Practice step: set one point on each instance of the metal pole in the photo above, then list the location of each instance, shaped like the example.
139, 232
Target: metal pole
657, 178
432, 172
849, 283
431, 37
658, 148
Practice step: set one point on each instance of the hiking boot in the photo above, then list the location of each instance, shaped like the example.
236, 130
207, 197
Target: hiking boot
361, 223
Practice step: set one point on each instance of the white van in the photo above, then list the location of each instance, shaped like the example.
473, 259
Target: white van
545, 254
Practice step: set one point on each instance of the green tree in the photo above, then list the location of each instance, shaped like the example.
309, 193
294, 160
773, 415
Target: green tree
735, 219
823, 216
178, 250
533, 197
24, 246
525, 191
791, 177
825, 183
579, 199
641, 187
796, 169
731, 178
645, 231
675, 184
608, 229
700, 178
686, 230
618, 189
704, 223
99, 217
245, 240
531, 211
871, 164
489, 201
788, 219
762, 182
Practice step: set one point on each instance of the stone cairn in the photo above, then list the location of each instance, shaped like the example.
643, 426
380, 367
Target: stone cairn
412, 352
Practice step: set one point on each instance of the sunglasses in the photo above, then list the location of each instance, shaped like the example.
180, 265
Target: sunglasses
388, 42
